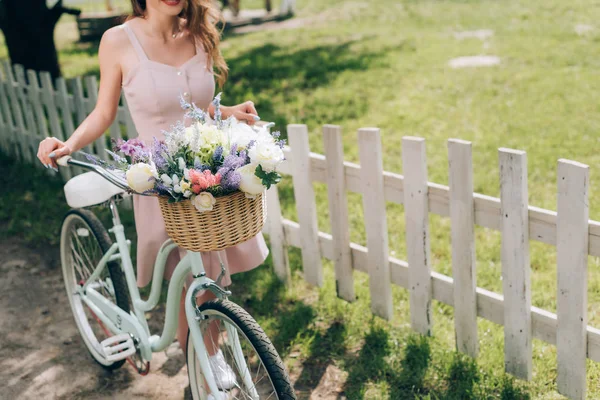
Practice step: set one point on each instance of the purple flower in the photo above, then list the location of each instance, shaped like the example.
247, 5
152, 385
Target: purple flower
218, 154
281, 143
231, 181
158, 149
250, 144
232, 162
162, 189
134, 148
199, 166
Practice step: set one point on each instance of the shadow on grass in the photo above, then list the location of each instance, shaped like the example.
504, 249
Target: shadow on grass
324, 348
414, 366
369, 365
285, 71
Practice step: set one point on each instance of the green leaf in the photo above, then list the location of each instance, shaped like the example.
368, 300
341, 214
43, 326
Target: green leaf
267, 178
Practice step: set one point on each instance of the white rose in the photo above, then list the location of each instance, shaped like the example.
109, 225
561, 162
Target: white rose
268, 155
241, 134
249, 182
140, 177
264, 135
204, 201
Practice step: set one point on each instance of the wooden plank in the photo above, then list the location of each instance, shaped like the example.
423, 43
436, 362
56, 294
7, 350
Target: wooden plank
66, 112
21, 149
462, 219
29, 135
40, 132
47, 97
338, 212
371, 159
571, 308
490, 305
35, 97
10, 125
5, 122
416, 211
281, 263
91, 86
80, 107
542, 223
305, 204
515, 263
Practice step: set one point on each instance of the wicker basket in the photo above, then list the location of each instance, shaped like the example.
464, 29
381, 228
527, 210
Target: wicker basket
233, 220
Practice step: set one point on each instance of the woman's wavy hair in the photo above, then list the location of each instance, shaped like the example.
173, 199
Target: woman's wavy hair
201, 19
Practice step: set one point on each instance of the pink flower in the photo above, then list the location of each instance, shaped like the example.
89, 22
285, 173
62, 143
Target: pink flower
203, 180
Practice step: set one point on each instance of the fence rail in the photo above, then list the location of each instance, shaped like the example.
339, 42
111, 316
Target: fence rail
32, 108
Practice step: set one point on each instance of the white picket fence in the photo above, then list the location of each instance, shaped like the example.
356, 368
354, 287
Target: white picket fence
568, 229
33, 108
30, 111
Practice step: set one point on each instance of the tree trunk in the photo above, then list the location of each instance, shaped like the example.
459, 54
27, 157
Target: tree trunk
28, 27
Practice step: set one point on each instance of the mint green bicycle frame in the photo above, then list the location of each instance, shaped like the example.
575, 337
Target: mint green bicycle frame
134, 323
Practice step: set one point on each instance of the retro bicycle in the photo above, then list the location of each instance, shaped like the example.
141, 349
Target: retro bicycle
110, 313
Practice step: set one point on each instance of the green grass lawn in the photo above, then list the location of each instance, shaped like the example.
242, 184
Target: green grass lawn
384, 63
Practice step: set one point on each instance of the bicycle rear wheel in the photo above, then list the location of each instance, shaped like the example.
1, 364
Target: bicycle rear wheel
83, 242
251, 363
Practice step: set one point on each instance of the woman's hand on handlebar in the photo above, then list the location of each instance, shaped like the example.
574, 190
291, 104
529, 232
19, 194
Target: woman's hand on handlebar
50, 150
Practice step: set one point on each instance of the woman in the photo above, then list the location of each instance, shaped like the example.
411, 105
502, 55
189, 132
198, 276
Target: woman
167, 48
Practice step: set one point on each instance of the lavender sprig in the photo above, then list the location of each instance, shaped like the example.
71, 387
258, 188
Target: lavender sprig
217, 103
96, 161
218, 155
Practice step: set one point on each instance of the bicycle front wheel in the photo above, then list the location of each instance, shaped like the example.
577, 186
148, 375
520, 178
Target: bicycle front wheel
244, 363
83, 242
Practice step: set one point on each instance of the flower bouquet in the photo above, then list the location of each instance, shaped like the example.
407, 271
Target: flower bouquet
209, 177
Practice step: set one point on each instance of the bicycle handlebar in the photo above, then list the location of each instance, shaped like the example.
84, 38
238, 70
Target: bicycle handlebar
115, 180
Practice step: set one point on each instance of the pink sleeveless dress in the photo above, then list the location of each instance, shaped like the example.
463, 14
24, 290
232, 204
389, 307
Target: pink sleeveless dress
152, 91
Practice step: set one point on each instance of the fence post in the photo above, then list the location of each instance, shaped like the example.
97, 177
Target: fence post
35, 97
416, 211
9, 126
64, 103
47, 98
30, 130
371, 173
462, 219
338, 212
515, 263
304, 195
572, 237
5, 125
92, 91
23, 153
281, 263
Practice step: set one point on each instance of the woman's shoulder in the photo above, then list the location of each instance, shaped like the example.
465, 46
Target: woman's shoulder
115, 44
115, 37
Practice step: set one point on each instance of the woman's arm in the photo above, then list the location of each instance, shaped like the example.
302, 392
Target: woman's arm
105, 110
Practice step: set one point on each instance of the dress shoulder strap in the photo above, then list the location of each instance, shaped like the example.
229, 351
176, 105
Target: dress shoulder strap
134, 41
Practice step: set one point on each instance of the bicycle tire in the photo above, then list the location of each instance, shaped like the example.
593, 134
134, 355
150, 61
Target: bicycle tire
257, 338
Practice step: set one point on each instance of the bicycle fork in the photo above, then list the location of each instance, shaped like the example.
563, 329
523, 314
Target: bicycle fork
193, 316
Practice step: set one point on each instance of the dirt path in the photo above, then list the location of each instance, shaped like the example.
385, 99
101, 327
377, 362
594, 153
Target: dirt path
43, 357
41, 353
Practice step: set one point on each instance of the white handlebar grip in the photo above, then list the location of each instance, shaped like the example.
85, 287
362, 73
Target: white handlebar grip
63, 161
